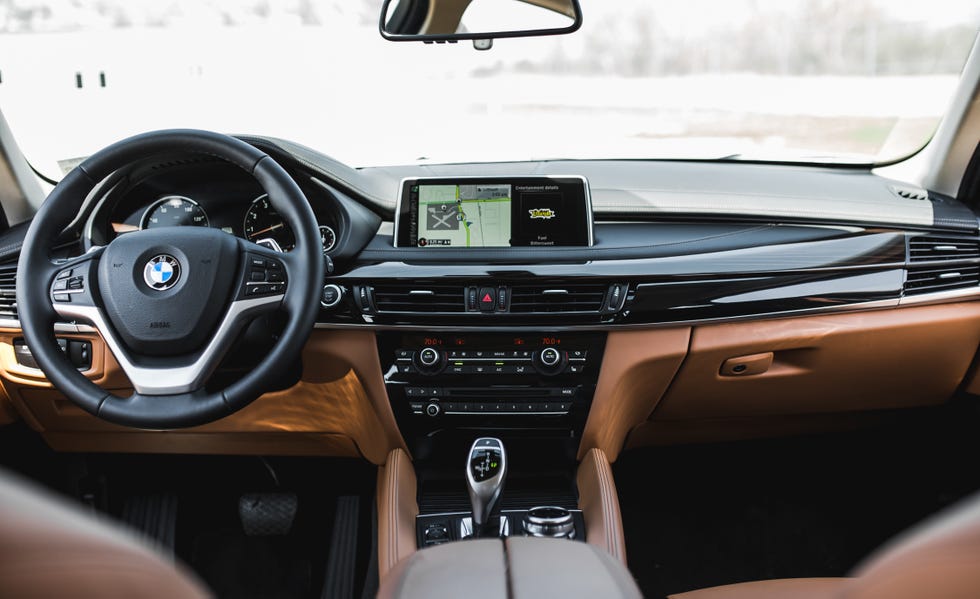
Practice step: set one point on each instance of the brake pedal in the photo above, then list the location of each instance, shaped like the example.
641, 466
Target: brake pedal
267, 514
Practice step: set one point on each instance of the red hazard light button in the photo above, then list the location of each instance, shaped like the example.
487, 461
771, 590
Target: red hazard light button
488, 301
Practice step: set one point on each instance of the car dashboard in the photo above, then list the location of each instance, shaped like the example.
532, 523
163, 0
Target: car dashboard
711, 300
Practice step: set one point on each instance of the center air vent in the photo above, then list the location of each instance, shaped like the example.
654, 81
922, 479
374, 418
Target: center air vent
418, 298
563, 298
493, 298
942, 263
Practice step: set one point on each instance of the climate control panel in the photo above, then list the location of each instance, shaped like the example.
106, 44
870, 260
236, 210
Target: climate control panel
547, 361
532, 381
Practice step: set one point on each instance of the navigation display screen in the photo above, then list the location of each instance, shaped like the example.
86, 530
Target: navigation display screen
494, 212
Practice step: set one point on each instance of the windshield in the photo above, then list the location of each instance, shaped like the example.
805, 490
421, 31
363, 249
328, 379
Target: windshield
793, 80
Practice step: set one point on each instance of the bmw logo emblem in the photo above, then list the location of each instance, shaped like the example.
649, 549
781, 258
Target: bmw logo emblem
162, 272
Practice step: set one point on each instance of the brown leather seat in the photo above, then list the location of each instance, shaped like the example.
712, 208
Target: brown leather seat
937, 559
49, 548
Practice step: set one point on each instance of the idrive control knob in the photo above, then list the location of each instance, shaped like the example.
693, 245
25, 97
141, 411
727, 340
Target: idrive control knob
549, 521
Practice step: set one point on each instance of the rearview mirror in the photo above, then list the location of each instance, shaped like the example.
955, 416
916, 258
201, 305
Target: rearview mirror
479, 20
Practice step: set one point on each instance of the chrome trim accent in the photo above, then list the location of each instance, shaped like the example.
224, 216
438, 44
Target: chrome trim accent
937, 297
151, 380
59, 327
421, 292
585, 182
555, 292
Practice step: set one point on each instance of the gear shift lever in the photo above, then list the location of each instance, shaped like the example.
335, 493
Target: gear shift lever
486, 468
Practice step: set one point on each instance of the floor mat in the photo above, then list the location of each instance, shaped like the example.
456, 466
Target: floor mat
699, 516
235, 565
210, 536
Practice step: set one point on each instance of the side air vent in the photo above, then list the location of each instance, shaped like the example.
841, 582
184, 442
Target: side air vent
943, 247
564, 298
8, 291
942, 263
419, 298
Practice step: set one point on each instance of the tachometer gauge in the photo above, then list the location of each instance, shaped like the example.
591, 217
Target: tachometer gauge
328, 238
264, 226
174, 211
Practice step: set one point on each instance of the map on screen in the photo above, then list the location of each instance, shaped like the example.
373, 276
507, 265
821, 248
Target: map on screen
464, 215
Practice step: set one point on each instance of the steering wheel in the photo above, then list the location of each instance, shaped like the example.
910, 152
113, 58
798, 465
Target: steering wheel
169, 302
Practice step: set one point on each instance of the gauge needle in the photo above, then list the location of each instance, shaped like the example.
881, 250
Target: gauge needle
267, 229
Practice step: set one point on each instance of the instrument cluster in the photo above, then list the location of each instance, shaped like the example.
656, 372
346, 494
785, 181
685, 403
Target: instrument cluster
237, 207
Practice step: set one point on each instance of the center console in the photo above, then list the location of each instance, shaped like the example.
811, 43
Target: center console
530, 385
532, 391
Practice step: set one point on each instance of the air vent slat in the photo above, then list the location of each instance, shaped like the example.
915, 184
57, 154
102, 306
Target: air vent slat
951, 263
8, 291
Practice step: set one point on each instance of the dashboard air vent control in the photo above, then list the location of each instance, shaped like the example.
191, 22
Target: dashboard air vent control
561, 298
421, 297
942, 263
924, 248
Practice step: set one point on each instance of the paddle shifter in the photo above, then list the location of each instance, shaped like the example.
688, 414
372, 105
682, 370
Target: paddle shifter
486, 468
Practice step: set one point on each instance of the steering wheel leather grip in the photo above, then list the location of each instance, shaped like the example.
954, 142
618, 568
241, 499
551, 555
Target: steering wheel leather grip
167, 364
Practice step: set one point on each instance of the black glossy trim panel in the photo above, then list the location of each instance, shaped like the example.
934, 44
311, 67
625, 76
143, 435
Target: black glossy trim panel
684, 273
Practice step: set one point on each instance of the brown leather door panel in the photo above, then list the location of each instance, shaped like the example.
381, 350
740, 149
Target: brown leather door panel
858, 361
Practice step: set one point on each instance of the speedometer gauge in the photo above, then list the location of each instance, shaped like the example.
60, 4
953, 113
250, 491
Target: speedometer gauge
174, 211
264, 226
